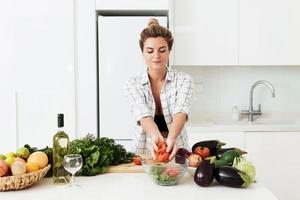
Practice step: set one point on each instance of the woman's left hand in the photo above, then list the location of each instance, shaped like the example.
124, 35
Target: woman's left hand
172, 147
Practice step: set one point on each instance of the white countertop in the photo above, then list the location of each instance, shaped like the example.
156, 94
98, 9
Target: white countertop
223, 122
135, 186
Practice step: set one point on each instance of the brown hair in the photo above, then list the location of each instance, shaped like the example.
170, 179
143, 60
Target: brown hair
155, 30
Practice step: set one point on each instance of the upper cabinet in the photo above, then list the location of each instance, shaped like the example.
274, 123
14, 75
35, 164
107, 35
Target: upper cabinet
236, 32
132, 5
205, 32
269, 32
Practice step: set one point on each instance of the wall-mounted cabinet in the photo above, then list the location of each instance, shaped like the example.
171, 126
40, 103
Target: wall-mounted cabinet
269, 32
205, 32
236, 32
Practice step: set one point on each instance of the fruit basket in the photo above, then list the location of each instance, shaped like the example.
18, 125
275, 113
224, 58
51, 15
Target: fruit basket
22, 181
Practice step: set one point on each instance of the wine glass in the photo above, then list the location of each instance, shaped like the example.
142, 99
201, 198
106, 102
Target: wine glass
72, 163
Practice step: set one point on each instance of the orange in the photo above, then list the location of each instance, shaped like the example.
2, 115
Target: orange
31, 167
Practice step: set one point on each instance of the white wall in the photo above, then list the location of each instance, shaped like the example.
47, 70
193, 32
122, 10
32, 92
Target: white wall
218, 88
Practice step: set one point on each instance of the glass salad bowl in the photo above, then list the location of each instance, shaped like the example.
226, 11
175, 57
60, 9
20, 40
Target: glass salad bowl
166, 173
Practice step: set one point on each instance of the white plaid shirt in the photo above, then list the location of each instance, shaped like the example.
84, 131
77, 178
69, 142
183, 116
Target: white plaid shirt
176, 96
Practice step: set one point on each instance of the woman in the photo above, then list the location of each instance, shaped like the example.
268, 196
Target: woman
160, 99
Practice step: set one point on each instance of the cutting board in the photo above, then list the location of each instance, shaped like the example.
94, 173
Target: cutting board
126, 168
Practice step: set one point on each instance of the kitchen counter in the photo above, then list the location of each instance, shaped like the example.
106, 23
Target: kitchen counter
135, 186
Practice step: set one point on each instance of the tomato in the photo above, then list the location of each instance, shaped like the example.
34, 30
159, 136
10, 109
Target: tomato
137, 160
202, 151
172, 171
162, 155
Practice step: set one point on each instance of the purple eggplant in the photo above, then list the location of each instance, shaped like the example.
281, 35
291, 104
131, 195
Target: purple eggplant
232, 177
204, 174
213, 145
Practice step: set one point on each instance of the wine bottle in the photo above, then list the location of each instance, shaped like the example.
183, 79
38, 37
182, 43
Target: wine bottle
61, 146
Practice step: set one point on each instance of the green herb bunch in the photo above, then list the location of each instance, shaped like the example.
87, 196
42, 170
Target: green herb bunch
98, 154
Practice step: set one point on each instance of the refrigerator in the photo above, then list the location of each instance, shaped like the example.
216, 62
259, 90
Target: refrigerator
120, 58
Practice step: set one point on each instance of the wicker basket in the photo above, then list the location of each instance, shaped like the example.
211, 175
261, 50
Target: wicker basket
22, 181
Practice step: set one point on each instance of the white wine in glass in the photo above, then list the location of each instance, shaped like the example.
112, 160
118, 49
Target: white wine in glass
72, 163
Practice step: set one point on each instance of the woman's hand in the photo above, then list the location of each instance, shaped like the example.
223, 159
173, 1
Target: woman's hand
156, 138
172, 147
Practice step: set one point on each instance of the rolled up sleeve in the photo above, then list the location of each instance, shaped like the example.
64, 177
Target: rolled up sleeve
184, 96
137, 100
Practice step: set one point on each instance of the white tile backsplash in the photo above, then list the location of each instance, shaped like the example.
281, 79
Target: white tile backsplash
219, 88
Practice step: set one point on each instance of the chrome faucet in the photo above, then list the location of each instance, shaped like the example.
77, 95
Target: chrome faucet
252, 112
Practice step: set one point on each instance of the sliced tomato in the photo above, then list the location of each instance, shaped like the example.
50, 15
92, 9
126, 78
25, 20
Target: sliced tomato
137, 160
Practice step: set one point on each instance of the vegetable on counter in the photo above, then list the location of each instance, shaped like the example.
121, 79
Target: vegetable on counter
98, 154
228, 157
204, 152
213, 145
243, 165
219, 152
232, 177
204, 174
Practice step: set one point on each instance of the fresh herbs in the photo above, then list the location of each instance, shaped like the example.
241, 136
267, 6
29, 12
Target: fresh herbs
98, 154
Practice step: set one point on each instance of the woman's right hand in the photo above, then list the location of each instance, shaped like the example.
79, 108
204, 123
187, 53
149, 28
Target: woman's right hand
156, 138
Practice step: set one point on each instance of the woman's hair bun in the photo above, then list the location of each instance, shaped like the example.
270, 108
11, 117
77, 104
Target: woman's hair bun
153, 22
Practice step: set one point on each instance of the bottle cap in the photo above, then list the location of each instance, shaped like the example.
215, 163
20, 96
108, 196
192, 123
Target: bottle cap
60, 120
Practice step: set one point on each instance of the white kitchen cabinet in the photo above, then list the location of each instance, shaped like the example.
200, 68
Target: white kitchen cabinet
40, 69
8, 132
269, 32
236, 32
132, 5
276, 157
232, 139
205, 32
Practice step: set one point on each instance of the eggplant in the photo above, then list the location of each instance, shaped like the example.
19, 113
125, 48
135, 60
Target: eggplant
213, 145
204, 174
232, 177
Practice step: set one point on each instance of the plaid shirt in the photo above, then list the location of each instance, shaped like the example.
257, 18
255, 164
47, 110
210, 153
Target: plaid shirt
176, 96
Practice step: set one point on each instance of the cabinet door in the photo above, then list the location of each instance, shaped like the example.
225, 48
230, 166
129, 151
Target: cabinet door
44, 71
205, 32
275, 156
8, 125
232, 139
269, 32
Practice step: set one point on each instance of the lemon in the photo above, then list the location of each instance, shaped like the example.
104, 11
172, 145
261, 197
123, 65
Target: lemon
11, 154
9, 160
23, 152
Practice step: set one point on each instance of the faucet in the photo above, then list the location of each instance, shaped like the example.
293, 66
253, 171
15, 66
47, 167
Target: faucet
252, 112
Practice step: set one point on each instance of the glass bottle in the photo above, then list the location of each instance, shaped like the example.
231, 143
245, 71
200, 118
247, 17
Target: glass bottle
61, 146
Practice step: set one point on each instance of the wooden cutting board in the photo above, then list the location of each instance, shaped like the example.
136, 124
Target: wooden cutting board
126, 168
